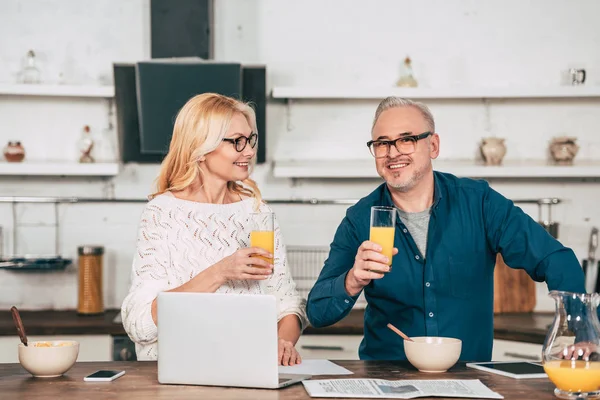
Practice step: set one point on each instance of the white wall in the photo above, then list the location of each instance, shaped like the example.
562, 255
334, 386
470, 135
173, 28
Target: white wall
312, 43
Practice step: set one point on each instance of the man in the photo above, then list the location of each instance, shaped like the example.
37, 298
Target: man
446, 240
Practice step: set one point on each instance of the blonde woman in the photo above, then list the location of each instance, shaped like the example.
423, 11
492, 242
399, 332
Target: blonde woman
193, 234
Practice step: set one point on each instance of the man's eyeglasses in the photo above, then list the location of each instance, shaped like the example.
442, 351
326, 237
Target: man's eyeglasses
241, 142
404, 145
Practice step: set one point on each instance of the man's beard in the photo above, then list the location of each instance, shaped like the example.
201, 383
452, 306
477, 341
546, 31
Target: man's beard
412, 181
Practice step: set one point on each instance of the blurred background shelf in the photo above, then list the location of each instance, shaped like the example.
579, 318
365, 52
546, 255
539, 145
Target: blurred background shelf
35, 264
366, 93
8, 89
366, 169
42, 168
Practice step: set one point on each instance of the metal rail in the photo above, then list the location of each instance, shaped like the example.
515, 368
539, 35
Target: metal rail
310, 201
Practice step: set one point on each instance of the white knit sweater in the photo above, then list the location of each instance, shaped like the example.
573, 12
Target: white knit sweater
178, 239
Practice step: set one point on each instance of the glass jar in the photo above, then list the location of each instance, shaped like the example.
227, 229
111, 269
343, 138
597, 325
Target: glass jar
570, 353
90, 280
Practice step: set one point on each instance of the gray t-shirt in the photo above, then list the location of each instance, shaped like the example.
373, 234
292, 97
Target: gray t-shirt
417, 224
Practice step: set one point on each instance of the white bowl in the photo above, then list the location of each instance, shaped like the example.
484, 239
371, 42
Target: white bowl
46, 359
432, 354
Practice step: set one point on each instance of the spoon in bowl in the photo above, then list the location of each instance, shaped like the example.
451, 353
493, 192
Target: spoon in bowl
399, 332
19, 324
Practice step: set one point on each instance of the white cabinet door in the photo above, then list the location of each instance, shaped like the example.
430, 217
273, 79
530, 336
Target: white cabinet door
329, 347
91, 347
507, 350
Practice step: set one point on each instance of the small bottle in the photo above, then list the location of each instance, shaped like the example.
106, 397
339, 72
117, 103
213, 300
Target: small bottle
86, 145
31, 73
407, 78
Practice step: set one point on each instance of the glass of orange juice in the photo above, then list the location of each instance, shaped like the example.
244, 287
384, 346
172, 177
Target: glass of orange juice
383, 226
262, 233
571, 352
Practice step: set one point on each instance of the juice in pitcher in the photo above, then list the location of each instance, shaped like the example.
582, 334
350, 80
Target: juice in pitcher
572, 344
574, 376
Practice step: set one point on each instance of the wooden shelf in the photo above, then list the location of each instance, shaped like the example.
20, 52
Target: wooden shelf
366, 169
56, 90
367, 93
41, 168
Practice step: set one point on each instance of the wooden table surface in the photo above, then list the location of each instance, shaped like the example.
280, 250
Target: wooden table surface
140, 382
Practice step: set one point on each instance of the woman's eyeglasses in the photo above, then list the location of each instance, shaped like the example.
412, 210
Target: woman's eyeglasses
240, 143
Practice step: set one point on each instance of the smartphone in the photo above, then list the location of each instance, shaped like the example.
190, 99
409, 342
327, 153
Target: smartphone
104, 376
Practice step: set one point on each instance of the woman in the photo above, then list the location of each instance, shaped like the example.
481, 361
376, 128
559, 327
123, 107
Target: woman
194, 231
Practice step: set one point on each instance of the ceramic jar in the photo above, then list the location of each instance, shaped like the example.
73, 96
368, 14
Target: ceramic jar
492, 150
563, 149
14, 152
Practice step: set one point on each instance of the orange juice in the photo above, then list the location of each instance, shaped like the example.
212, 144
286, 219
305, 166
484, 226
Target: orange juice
265, 240
384, 236
574, 376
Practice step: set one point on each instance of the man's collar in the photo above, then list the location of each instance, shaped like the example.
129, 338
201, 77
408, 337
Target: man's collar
437, 190
386, 198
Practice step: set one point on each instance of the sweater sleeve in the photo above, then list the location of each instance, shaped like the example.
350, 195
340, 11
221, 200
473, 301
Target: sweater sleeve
149, 276
282, 285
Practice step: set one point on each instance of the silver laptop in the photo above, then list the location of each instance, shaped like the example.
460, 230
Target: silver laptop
219, 339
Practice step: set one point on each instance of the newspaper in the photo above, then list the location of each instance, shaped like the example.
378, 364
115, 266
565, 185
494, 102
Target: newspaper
401, 389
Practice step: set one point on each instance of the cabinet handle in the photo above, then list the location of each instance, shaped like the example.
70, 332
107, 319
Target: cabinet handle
524, 356
314, 347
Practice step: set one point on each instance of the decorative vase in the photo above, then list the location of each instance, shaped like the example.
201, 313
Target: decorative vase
493, 150
14, 152
563, 150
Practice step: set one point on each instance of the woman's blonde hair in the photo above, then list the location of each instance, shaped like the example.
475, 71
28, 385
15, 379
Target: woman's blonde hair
199, 128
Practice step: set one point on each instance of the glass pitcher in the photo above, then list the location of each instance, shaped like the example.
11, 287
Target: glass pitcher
571, 352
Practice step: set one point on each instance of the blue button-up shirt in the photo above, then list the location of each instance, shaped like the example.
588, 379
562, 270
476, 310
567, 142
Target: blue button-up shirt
449, 291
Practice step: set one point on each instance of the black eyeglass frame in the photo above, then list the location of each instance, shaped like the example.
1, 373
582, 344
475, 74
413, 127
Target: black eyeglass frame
390, 143
243, 139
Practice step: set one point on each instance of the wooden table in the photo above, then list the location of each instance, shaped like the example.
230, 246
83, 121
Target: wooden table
140, 382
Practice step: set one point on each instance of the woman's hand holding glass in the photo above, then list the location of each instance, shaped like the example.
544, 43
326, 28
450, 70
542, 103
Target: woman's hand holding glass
246, 264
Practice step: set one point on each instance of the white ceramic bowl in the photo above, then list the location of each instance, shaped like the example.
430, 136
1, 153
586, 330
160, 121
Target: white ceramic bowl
48, 359
432, 354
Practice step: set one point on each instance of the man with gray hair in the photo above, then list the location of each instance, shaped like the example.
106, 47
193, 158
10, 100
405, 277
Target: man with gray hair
446, 240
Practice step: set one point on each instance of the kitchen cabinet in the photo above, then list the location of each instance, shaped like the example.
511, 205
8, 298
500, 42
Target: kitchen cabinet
508, 350
329, 347
91, 347
345, 347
